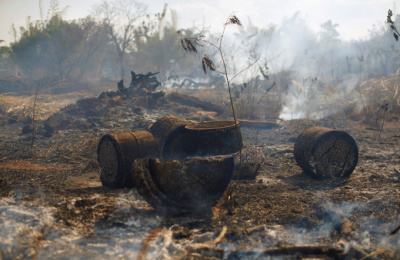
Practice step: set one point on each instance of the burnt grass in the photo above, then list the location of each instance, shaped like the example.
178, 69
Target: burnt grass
281, 207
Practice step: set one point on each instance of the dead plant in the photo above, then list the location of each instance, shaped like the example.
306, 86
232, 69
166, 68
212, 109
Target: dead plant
396, 33
34, 115
380, 117
192, 44
249, 95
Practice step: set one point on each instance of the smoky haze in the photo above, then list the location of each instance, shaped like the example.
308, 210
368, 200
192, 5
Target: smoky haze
303, 72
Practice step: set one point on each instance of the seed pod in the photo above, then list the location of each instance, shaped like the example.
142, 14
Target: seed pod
324, 153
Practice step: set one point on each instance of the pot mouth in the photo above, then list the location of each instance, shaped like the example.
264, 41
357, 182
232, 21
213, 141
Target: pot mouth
207, 157
207, 125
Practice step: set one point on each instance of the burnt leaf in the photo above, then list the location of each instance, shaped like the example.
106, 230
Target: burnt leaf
396, 33
188, 45
203, 63
233, 20
207, 63
183, 45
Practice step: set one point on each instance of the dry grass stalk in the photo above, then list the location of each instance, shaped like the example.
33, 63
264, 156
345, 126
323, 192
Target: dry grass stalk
383, 108
73, 147
34, 115
376, 252
40, 239
205, 245
379, 96
146, 242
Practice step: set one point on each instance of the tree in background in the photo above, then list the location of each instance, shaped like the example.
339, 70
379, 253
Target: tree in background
158, 48
120, 18
7, 65
55, 47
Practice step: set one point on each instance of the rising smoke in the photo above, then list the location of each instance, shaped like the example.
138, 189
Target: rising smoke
315, 73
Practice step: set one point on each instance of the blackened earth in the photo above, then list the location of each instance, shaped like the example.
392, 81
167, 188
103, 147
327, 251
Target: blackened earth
52, 203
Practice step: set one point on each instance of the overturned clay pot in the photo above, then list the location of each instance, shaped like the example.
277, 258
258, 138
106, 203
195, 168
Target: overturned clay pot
325, 153
212, 137
194, 184
116, 153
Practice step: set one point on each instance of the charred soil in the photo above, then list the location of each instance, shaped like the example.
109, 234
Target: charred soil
53, 204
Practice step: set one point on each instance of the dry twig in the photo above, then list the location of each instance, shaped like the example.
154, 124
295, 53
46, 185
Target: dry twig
376, 252
146, 242
206, 245
34, 114
394, 231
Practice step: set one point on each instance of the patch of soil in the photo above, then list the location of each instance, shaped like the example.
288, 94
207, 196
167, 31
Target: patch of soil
52, 195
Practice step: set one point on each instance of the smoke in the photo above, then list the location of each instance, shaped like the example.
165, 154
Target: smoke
28, 230
322, 69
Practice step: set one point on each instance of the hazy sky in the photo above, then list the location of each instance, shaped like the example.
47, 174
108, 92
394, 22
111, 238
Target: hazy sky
355, 17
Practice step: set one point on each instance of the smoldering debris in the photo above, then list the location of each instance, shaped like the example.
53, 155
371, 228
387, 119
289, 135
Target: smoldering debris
126, 106
28, 231
195, 102
279, 213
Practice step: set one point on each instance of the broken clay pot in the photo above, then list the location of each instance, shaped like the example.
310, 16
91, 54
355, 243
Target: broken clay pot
194, 184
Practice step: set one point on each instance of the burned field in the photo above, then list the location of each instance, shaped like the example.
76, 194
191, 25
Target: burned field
53, 203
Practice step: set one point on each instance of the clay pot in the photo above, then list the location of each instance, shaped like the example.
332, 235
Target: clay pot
116, 153
169, 132
194, 184
212, 138
325, 153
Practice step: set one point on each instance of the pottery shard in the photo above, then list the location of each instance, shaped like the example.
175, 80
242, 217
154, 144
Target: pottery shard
193, 184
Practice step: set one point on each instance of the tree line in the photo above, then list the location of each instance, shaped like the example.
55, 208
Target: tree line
117, 37
121, 35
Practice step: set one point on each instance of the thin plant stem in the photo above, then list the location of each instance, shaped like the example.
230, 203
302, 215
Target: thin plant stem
34, 115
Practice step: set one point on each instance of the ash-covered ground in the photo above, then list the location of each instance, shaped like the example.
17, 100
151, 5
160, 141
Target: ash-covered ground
53, 205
